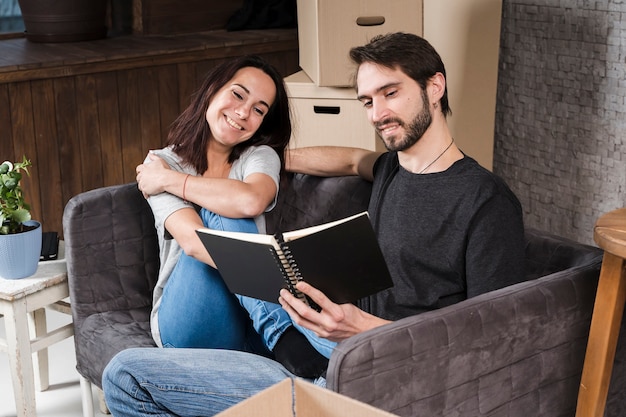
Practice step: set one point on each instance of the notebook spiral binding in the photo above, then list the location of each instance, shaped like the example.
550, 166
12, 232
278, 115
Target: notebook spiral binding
292, 275
290, 271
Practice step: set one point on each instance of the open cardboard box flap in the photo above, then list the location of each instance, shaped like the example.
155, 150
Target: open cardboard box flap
291, 398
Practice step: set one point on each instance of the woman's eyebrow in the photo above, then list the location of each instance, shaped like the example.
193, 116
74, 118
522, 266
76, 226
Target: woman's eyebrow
244, 88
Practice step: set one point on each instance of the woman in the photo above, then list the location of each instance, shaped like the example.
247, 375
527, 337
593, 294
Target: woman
224, 156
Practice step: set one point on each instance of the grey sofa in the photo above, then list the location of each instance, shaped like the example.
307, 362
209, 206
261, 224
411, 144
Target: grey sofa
517, 351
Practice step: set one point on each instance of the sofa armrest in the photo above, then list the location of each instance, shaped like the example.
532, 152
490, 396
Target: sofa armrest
517, 351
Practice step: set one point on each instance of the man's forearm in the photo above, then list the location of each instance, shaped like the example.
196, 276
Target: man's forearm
331, 161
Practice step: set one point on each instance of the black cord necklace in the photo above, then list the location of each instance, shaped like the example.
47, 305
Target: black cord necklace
437, 158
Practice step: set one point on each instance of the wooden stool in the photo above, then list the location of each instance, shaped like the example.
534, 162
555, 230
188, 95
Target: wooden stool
610, 234
23, 304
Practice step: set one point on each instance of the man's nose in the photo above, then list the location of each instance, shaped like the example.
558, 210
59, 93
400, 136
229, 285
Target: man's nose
378, 111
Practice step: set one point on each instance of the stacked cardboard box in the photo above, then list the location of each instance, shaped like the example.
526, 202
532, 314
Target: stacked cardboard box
325, 106
328, 116
466, 33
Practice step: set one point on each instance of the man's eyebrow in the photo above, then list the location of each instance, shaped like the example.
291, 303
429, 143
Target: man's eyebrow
244, 88
362, 97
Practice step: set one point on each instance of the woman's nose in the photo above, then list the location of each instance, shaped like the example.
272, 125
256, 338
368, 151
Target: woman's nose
242, 111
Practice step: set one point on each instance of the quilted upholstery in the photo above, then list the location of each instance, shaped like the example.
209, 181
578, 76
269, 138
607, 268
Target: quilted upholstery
112, 260
306, 200
515, 351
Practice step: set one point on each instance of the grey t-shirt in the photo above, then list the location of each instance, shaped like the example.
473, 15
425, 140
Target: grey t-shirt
446, 236
256, 159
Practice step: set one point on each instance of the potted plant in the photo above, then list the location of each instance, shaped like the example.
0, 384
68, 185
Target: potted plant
20, 237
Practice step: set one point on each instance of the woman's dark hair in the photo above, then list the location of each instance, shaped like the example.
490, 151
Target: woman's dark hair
410, 53
190, 133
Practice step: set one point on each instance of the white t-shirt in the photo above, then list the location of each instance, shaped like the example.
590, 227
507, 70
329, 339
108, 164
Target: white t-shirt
256, 159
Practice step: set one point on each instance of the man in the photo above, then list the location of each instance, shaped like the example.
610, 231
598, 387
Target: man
448, 228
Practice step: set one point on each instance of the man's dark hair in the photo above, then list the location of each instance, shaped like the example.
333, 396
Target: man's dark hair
413, 55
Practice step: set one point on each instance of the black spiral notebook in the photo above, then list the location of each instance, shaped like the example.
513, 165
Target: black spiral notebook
341, 258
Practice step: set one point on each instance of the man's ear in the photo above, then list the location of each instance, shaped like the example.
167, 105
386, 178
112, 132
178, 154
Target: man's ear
436, 87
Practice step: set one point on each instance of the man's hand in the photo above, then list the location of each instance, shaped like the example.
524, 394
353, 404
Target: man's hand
151, 176
334, 322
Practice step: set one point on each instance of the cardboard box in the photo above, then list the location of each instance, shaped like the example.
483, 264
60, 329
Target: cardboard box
327, 29
469, 45
297, 398
328, 116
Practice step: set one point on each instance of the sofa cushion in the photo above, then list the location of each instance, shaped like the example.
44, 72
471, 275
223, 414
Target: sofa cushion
102, 335
305, 200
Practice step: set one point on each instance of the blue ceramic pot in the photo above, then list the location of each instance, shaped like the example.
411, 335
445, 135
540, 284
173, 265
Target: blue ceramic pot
20, 252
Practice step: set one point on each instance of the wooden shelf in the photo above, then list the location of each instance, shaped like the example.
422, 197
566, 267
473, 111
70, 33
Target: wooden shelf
22, 60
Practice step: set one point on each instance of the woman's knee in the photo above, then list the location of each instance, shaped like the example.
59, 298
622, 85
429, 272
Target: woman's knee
218, 222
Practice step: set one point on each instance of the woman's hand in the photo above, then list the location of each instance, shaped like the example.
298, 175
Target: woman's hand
152, 176
334, 322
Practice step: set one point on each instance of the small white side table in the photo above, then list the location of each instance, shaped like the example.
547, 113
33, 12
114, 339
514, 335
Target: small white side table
22, 304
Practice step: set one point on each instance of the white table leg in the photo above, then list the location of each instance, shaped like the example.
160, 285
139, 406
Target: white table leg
39, 327
20, 358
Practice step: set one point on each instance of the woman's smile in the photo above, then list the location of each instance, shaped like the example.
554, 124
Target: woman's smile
234, 124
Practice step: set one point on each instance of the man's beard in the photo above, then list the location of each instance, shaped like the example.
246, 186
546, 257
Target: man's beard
414, 131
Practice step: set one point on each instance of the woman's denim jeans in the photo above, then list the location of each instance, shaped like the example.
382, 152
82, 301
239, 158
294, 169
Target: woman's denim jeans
198, 311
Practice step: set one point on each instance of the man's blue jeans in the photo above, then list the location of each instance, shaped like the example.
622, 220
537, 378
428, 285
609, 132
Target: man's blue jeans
198, 311
185, 382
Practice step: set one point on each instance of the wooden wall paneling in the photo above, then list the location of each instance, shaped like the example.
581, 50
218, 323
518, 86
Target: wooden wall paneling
149, 111
89, 132
130, 128
6, 134
109, 120
23, 132
204, 67
67, 137
169, 105
284, 62
188, 83
46, 166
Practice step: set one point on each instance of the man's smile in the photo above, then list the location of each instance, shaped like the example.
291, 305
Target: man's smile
389, 126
